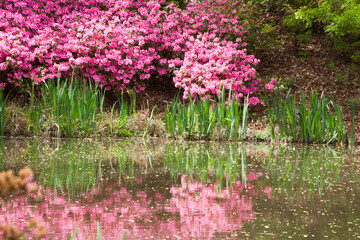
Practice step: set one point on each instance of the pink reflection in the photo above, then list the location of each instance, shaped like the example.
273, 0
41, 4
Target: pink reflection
195, 210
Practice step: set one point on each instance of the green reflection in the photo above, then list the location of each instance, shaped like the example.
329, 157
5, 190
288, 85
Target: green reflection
207, 162
73, 167
77, 166
305, 168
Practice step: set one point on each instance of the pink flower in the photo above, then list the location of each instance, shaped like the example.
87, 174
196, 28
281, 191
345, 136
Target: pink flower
116, 45
254, 101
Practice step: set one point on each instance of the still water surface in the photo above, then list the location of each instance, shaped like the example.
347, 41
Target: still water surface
136, 189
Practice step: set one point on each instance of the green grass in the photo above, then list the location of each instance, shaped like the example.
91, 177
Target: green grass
118, 117
73, 235
70, 108
318, 119
74, 109
98, 235
223, 118
3, 102
149, 124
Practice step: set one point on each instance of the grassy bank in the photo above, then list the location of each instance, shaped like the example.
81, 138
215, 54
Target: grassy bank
224, 118
74, 109
78, 109
316, 119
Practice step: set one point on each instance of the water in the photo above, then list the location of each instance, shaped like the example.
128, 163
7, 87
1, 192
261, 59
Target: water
135, 189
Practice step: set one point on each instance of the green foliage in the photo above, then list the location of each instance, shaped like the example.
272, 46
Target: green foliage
115, 121
261, 28
98, 231
288, 83
340, 20
118, 118
356, 56
149, 124
342, 78
281, 4
262, 134
179, 3
208, 119
73, 235
73, 109
313, 121
3, 102
331, 66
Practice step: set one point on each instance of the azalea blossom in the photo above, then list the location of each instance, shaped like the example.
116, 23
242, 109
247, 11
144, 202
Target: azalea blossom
123, 43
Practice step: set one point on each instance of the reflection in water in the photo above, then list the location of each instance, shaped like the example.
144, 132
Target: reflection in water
193, 210
207, 162
305, 169
205, 212
174, 190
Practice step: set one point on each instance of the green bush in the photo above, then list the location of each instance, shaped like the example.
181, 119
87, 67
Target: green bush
261, 28
340, 21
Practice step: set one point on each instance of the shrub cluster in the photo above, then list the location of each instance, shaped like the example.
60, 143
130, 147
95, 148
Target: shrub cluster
340, 20
127, 44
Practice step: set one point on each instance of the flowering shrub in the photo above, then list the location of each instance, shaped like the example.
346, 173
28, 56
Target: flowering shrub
126, 44
99, 39
211, 64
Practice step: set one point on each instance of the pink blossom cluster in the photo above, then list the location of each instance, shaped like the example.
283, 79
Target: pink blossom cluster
271, 85
211, 64
126, 43
99, 39
192, 210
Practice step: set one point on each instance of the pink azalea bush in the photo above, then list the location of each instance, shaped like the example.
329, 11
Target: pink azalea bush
212, 64
127, 44
99, 39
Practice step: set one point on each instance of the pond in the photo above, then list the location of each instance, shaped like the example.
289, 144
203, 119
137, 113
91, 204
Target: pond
149, 189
